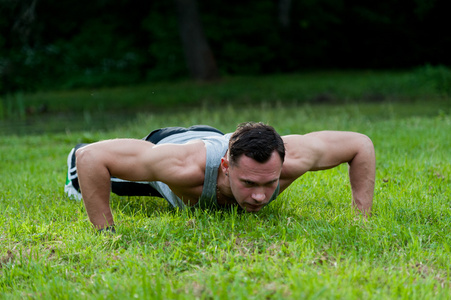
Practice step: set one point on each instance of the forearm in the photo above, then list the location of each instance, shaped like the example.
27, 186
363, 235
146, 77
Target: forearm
362, 170
94, 179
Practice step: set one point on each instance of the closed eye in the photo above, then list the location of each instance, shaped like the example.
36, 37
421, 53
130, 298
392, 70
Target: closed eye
252, 184
248, 183
271, 183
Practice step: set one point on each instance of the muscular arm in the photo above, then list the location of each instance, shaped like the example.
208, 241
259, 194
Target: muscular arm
327, 149
133, 160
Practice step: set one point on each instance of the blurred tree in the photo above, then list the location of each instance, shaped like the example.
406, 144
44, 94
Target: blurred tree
75, 43
24, 23
284, 13
199, 57
17, 36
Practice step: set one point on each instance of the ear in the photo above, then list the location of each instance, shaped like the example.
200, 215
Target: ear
224, 164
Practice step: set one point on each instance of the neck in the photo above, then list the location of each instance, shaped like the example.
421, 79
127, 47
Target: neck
224, 194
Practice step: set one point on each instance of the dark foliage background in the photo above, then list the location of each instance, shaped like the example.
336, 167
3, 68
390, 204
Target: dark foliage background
80, 43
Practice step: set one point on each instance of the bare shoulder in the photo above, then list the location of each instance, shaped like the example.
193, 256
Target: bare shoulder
178, 164
139, 160
182, 168
300, 153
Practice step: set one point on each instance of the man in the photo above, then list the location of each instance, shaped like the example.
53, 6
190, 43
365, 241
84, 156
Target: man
200, 166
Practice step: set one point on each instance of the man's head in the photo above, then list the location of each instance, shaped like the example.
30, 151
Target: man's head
255, 140
254, 164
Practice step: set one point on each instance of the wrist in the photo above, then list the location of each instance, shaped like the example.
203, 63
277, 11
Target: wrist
110, 229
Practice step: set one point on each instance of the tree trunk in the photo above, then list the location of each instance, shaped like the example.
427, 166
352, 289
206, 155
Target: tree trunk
284, 12
199, 57
23, 25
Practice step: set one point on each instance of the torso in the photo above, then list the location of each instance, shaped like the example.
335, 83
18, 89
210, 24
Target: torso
199, 172
193, 186
190, 193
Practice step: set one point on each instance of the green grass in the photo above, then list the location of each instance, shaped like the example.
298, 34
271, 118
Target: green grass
87, 109
312, 87
307, 244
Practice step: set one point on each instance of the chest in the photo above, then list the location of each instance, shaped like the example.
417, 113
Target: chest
189, 195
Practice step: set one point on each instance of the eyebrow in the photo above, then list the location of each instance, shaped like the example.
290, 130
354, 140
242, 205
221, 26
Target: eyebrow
253, 182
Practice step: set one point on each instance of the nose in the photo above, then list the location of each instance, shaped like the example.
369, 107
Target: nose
258, 196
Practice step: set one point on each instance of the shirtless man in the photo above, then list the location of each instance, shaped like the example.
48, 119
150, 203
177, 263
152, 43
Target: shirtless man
200, 166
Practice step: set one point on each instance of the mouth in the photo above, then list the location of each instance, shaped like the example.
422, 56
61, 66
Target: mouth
253, 208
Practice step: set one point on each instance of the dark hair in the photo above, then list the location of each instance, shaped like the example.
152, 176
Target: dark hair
255, 140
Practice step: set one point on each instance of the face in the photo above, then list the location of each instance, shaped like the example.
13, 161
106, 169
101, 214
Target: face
253, 183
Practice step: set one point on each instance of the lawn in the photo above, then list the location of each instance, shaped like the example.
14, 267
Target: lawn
307, 244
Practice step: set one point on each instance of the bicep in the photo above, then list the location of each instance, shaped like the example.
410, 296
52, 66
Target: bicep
336, 147
133, 160
324, 149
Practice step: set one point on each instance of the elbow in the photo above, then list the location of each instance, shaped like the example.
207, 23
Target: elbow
370, 147
92, 159
80, 159
366, 145
366, 141
364, 150
85, 157
80, 156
